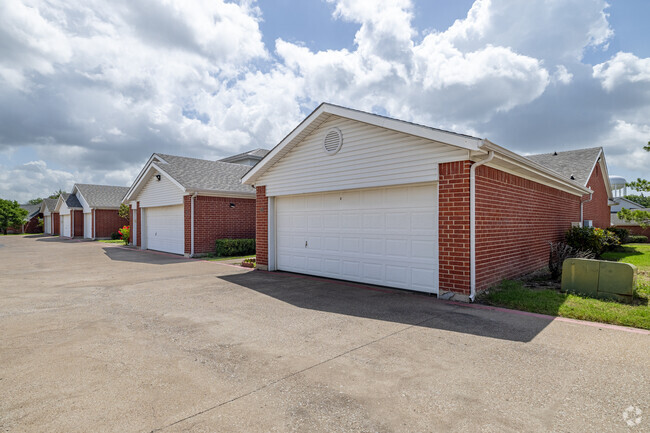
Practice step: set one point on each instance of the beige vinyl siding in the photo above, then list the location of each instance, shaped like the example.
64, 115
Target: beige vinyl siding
370, 157
160, 193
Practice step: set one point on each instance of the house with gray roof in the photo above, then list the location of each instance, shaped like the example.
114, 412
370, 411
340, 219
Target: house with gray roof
70, 215
588, 168
51, 224
100, 206
183, 205
31, 224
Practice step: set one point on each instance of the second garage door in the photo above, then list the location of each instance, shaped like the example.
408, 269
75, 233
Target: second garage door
164, 229
47, 225
65, 225
384, 236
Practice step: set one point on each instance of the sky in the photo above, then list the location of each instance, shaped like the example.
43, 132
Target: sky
89, 89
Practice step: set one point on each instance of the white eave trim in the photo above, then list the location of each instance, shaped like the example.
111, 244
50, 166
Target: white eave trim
143, 176
215, 193
450, 138
603, 165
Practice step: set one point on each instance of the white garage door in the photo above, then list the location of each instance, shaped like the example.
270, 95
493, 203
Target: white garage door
88, 233
383, 236
164, 229
65, 225
47, 225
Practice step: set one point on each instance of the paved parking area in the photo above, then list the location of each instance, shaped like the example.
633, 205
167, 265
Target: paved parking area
95, 337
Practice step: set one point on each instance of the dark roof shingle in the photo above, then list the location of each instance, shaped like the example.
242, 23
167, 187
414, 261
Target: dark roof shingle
102, 196
576, 163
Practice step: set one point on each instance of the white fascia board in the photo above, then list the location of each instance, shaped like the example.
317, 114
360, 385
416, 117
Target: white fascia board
214, 193
84, 203
59, 202
536, 169
603, 168
143, 177
440, 136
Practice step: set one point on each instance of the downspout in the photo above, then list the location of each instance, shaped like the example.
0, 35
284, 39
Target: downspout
472, 223
582, 203
192, 197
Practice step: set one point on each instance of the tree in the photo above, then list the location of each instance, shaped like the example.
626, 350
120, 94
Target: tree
641, 217
641, 200
124, 212
57, 194
11, 215
35, 201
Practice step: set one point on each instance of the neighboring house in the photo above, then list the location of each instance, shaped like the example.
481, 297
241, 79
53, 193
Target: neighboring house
100, 206
634, 228
51, 224
30, 224
589, 168
250, 158
71, 220
362, 197
183, 205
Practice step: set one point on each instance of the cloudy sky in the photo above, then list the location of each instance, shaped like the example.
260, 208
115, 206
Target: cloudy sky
90, 88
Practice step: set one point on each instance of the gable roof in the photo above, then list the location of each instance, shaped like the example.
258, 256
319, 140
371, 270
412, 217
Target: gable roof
196, 175
476, 148
257, 154
49, 203
577, 163
32, 210
70, 200
101, 196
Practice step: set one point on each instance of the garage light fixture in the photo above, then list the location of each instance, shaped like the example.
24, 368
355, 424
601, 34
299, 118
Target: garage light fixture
232, 205
158, 177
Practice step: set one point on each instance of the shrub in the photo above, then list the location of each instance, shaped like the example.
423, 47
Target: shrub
591, 239
636, 239
622, 233
235, 247
559, 253
125, 232
115, 236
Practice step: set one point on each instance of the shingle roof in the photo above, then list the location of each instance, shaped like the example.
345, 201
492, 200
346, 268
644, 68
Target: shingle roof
576, 163
50, 203
200, 174
71, 201
32, 209
252, 154
102, 196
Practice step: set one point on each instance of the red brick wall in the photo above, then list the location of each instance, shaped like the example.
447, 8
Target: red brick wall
597, 209
215, 219
138, 236
56, 223
107, 221
78, 223
262, 226
453, 227
637, 230
32, 226
515, 220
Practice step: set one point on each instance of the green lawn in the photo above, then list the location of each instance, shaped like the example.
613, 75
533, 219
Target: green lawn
111, 241
213, 258
515, 294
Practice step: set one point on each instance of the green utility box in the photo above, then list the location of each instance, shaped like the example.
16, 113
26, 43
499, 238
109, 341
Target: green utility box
599, 277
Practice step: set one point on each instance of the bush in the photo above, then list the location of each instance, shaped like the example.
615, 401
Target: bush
115, 236
622, 233
591, 239
559, 253
636, 239
125, 232
235, 247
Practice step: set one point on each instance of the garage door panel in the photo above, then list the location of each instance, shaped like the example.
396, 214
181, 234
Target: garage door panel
383, 236
65, 222
165, 229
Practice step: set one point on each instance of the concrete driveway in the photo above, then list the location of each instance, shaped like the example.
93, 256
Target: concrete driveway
96, 338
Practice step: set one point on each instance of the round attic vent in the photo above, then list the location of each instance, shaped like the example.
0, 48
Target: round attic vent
333, 141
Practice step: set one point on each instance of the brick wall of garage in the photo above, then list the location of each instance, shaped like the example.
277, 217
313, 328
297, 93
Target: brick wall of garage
262, 226
138, 235
78, 223
516, 219
597, 209
107, 222
214, 218
637, 230
32, 226
56, 223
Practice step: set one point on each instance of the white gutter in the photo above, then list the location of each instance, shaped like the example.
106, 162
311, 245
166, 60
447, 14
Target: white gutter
192, 197
472, 224
582, 203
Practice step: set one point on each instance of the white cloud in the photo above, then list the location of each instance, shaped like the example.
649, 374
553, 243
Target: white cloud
21, 182
621, 69
625, 142
562, 75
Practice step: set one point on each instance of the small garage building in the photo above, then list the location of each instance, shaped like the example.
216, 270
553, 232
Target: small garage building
100, 205
361, 197
183, 205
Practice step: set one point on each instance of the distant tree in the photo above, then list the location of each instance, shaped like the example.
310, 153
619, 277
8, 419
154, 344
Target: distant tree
640, 217
35, 201
11, 215
124, 212
57, 194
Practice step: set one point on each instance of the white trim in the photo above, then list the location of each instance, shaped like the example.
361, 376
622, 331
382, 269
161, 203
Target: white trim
324, 111
213, 193
271, 249
142, 174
